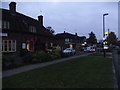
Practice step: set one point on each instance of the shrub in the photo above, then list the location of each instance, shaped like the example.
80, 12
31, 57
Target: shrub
63, 55
53, 57
41, 56
24, 52
27, 58
9, 60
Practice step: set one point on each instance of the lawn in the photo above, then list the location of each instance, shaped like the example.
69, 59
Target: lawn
100, 54
84, 72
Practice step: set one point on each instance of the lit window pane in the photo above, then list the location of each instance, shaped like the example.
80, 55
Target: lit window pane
23, 45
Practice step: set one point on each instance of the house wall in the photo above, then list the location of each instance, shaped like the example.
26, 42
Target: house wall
119, 20
19, 29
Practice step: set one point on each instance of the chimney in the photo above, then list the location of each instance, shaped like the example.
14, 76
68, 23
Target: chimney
76, 34
64, 31
12, 6
40, 19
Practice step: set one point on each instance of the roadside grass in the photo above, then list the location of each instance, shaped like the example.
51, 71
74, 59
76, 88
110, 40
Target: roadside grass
99, 54
83, 72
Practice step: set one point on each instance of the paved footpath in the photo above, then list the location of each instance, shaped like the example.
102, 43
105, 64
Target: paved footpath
35, 66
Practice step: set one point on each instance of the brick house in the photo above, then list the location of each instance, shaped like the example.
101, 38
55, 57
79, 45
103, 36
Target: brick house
67, 40
23, 32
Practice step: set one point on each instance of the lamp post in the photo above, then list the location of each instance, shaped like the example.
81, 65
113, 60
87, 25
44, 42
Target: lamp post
104, 31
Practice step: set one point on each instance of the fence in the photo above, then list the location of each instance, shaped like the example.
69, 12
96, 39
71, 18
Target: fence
116, 65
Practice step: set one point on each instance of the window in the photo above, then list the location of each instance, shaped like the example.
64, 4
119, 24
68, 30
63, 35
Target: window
8, 45
68, 40
5, 24
23, 45
32, 29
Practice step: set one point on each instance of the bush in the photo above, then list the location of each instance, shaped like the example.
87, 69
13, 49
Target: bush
24, 52
56, 55
40, 56
47, 57
27, 58
65, 55
9, 60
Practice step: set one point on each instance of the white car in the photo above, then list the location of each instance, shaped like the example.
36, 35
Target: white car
69, 50
89, 49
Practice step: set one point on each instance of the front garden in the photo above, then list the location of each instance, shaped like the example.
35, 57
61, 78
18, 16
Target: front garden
25, 57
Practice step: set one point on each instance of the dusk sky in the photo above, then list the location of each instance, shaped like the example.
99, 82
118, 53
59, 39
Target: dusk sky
72, 17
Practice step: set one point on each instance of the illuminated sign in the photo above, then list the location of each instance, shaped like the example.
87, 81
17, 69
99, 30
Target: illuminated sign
4, 34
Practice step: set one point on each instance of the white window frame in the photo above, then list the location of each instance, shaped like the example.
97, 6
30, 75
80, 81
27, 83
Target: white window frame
13, 48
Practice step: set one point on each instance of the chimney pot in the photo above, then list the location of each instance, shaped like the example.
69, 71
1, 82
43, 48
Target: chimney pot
76, 34
12, 6
40, 19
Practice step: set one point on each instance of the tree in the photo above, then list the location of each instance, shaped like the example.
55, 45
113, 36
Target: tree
49, 28
92, 39
112, 39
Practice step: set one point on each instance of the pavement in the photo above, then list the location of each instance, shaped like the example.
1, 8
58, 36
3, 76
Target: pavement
35, 66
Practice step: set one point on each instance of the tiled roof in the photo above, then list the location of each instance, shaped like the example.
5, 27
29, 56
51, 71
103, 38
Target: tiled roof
21, 22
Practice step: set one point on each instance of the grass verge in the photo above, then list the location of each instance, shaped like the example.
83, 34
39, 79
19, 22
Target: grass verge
100, 54
84, 72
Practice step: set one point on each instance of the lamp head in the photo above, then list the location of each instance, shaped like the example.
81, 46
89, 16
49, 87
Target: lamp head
105, 14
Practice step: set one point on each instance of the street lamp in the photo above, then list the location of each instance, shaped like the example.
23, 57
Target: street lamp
104, 30
104, 24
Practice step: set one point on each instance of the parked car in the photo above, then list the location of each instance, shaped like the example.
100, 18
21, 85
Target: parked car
89, 49
51, 50
69, 51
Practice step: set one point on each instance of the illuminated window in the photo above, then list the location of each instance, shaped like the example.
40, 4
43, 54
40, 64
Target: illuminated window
51, 44
23, 45
28, 46
71, 46
8, 45
68, 40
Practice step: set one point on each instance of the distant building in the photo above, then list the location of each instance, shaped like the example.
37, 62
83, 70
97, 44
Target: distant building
67, 40
23, 32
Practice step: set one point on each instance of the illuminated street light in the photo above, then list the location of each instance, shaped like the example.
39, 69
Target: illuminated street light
104, 24
104, 33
